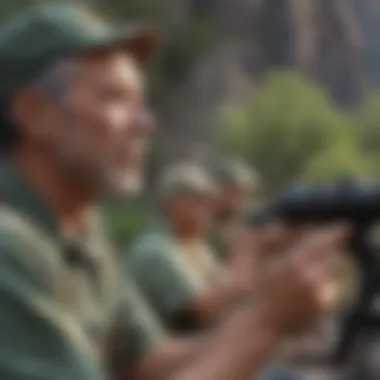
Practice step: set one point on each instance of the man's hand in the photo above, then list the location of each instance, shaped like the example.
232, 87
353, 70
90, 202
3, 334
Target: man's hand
300, 289
249, 247
304, 283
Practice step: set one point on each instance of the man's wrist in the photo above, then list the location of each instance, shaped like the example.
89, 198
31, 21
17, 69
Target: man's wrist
242, 346
271, 319
262, 333
260, 320
263, 317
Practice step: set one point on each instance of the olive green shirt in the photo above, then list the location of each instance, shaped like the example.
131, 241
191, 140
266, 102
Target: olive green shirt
170, 272
60, 298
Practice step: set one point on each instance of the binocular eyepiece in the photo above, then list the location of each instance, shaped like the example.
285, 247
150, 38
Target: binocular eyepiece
356, 202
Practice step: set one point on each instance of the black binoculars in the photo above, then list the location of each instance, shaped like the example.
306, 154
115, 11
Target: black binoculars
358, 204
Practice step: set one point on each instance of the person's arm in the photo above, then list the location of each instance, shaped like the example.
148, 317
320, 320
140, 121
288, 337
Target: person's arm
143, 350
39, 340
239, 349
300, 291
141, 347
172, 355
182, 303
166, 357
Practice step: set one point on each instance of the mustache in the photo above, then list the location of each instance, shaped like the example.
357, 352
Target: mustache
137, 147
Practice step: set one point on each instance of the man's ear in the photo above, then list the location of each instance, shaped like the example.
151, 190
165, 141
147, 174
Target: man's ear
33, 112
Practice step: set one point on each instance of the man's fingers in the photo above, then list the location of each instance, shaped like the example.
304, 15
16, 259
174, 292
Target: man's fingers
272, 233
279, 238
306, 282
261, 237
319, 257
329, 293
320, 244
324, 269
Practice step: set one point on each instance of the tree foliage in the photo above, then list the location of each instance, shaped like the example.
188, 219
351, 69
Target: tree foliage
290, 130
368, 129
181, 42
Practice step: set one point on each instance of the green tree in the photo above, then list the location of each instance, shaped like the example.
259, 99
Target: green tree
343, 159
182, 42
288, 123
126, 219
367, 128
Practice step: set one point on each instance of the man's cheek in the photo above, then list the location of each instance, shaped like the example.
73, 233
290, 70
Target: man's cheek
118, 117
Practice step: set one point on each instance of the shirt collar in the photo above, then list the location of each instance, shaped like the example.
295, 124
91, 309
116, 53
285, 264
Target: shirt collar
15, 191
160, 225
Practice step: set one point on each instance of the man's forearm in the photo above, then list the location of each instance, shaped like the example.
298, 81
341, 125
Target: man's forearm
167, 357
239, 350
233, 286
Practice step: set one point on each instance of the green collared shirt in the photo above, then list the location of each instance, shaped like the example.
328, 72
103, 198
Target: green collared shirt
60, 297
170, 272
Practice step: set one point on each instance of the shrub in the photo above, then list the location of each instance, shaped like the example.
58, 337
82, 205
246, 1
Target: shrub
285, 128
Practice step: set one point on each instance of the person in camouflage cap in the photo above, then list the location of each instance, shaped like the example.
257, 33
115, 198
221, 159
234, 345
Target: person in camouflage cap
186, 195
238, 186
188, 286
73, 130
176, 245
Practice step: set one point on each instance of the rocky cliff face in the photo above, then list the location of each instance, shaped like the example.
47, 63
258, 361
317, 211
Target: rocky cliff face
368, 16
320, 38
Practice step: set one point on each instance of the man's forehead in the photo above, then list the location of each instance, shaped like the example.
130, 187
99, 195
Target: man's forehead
108, 65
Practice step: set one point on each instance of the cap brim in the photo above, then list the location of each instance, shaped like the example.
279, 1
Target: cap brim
141, 42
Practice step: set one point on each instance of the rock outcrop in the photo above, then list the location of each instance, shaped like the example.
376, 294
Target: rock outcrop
320, 38
368, 16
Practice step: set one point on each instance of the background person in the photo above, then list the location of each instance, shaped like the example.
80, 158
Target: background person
238, 187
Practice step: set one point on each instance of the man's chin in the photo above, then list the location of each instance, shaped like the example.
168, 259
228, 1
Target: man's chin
121, 185
131, 185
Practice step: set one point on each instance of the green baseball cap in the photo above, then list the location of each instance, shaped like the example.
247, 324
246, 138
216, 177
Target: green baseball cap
35, 39
188, 179
234, 170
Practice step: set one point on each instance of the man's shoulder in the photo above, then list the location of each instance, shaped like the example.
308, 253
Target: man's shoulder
152, 241
153, 250
24, 245
95, 219
16, 229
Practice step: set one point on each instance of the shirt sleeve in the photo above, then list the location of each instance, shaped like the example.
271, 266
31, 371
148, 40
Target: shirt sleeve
214, 269
38, 339
166, 283
138, 328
